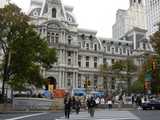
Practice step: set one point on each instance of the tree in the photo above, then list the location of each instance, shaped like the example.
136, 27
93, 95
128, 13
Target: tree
129, 67
155, 41
117, 69
123, 69
138, 85
24, 50
103, 73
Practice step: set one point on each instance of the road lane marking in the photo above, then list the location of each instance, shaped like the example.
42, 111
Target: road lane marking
103, 115
21, 117
102, 119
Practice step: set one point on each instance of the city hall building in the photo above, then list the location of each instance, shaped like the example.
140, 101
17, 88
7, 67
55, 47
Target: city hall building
80, 52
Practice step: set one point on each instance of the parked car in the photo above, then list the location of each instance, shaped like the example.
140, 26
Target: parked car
152, 104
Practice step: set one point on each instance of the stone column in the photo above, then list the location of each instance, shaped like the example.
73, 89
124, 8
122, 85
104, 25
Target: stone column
76, 79
73, 58
83, 61
73, 80
63, 83
134, 40
60, 78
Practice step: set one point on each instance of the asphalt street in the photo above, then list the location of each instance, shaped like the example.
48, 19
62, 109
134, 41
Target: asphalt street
99, 115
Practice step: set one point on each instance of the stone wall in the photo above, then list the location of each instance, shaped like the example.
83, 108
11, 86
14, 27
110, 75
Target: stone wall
22, 103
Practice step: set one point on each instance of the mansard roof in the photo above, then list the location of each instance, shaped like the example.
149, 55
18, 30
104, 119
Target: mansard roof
87, 31
55, 24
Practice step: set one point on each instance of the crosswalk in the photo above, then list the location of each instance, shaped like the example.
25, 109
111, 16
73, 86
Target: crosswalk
103, 115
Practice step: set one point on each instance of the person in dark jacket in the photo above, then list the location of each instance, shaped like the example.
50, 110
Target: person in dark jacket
73, 102
91, 106
67, 106
77, 105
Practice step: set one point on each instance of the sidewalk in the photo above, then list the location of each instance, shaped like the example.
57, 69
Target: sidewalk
5, 107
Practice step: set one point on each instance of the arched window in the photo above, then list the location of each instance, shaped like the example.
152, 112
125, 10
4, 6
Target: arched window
139, 1
112, 50
108, 48
120, 50
69, 39
54, 12
95, 47
87, 46
57, 38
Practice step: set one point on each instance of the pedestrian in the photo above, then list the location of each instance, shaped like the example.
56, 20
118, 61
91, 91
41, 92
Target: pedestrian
73, 101
91, 106
67, 106
102, 101
133, 99
120, 102
139, 102
109, 102
77, 105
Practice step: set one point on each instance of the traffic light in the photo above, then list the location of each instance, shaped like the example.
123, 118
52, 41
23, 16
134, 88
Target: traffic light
89, 83
153, 65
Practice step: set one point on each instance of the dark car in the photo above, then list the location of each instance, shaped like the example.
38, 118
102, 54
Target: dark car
153, 104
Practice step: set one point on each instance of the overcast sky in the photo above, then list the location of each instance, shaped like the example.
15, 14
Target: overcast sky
91, 14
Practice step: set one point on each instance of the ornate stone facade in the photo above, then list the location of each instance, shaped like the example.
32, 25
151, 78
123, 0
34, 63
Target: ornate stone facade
80, 52
3, 3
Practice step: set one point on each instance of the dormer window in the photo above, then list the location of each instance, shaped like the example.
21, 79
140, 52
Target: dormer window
54, 11
90, 37
35, 13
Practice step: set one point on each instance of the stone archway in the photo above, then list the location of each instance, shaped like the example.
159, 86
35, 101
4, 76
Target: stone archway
51, 81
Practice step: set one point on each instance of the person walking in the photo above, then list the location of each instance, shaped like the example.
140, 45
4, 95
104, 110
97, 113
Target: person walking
67, 106
91, 106
109, 102
77, 105
120, 102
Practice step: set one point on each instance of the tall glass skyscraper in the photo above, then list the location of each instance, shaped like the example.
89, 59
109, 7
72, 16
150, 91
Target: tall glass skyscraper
153, 15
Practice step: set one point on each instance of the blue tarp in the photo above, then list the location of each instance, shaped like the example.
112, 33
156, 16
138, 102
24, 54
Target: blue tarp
79, 92
46, 93
97, 94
